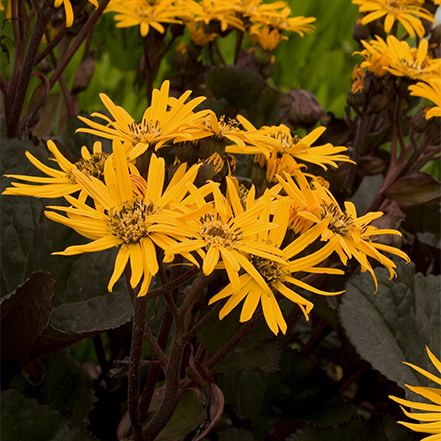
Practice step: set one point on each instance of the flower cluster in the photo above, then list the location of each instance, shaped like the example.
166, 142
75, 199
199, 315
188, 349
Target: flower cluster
395, 58
207, 19
122, 205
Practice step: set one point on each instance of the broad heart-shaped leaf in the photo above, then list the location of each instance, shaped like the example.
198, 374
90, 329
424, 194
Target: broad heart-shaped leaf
24, 419
234, 434
24, 316
65, 387
257, 350
395, 324
241, 87
190, 414
414, 189
81, 302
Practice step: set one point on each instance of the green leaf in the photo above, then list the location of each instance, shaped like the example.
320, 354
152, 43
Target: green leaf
24, 316
26, 420
395, 324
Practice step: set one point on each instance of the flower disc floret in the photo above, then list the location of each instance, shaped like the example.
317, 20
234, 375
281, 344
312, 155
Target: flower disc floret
130, 221
93, 166
216, 233
270, 270
339, 223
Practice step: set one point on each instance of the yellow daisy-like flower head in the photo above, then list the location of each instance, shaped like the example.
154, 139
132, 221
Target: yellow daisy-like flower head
270, 277
166, 119
354, 234
144, 13
357, 78
222, 12
414, 63
376, 57
130, 213
268, 38
279, 19
222, 234
222, 135
59, 182
431, 90
198, 35
405, 11
69, 11
287, 149
430, 419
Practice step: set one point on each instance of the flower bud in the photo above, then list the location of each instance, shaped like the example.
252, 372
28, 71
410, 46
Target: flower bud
419, 122
360, 32
305, 109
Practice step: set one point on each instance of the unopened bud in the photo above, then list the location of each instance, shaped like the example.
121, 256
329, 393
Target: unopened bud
84, 74
419, 122
360, 32
435, 38
305, 109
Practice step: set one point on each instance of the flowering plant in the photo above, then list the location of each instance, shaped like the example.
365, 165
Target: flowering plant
202, 249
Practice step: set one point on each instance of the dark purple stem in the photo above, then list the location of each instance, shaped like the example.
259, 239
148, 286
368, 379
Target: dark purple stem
135, 366
17, 92
84, 33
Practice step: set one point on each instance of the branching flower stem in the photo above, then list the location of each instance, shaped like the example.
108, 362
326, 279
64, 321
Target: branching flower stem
18, 86
84, 33
362, 131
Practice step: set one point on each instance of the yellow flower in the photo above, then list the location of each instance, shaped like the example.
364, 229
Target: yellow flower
376, 57
413, 63
59, 182
278, 19
405, 11
166, 119
131, 214
218, 11
273, 276
198, 35
357, 78
286, 149
353, 233
144, 13
222, 235
268, 38
69, 11
431, 420
431, 90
